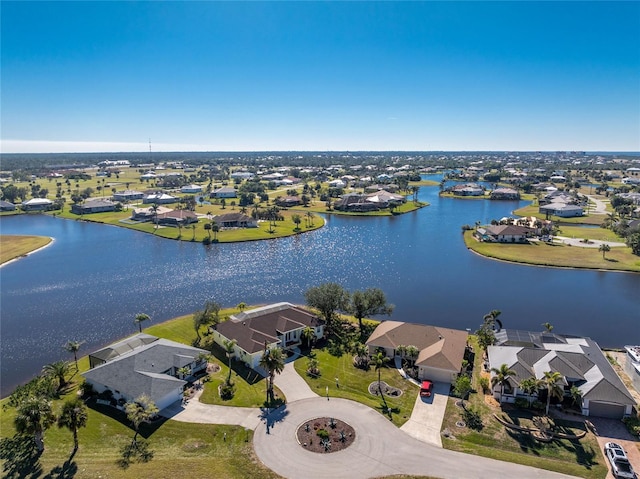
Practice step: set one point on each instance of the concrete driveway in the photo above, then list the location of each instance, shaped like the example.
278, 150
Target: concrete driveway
292, 385
379, 449
427, 416
612, 430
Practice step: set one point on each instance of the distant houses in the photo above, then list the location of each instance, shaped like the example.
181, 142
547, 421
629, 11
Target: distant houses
93, 206
7, 206
562, 210
235, 220
224, 192
505, 233
128, 195
159, 199
505, 194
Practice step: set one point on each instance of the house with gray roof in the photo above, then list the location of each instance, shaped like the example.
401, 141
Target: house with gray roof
441, 349
562, 210
276, 325
579, 360
224, 192
93, 206
144, 364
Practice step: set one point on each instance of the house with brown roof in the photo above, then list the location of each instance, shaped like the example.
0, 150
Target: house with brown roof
505, 194
177, 217
235, 220
276, 325
505, 233
288, 201
441, 349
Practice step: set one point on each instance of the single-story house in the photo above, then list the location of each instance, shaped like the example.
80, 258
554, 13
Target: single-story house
191, 189
128, 195
176, 217
630, 181
37, 204
286, 201
384, 198
277, 325
147, 214
355, 202
633, 171
505, 233
241, 175
224, 192
579, 360
337, 184
7, 206
469, 189
632, 365
441, 349
562, 210
235, 220
159, 199
505, 194
144, 364
93, 206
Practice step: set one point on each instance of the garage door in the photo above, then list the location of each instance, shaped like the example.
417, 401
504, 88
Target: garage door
614, 411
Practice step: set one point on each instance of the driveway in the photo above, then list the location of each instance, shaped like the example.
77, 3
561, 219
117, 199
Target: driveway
292, 385
612, 430
379, 449
427, 416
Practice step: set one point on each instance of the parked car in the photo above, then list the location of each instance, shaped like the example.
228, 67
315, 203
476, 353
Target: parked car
425, 389
620, 466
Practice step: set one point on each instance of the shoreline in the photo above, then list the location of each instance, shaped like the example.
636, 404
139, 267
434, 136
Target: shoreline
52, 240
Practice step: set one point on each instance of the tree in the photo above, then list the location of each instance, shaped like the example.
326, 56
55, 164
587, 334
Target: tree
412, 353
576, 395
242, 306
502, 375
140, 318
229, 349
273, 362
297, 219
486, 334
328, 298
207, 228
605, 248
140, 410
553, 382
34, 416
530, 386
308, 334
73, 416
73, 347
184, 371
199, 320
462, 386
215, 228
379, 361
58, 370
310, 217
548, 327
367, 303
633, 242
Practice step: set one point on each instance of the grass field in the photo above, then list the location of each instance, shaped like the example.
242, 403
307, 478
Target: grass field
12, 247
584, 220
577, 458
545, 254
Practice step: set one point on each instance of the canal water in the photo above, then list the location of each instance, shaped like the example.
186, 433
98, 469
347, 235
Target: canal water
94, 279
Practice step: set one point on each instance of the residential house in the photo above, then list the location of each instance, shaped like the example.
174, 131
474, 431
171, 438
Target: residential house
505, 233
235, 220
441, 349
630, 180
562, 210
93, 206
337, 184
277, 325
355, 202
177, 217
37, 204
7, 206
144, 364
633, 171
241, 175
578, 359
505, 194
224, 192
632, 365
191, 189
159, 199
288, 201
384, 199
128, 195
147, 214
467, 189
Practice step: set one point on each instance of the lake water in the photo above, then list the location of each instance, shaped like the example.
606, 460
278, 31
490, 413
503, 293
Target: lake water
94, 279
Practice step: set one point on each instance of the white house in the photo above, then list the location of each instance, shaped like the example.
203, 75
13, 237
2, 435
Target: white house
224, 192
37, 204
632, 365
337, 184
276, 325
144, 364
562, 210
191, 189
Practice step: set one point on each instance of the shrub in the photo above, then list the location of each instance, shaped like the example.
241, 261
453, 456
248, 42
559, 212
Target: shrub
227, 390
484, 383
633, 425
538, 405
522, 403
323, 434
472, 418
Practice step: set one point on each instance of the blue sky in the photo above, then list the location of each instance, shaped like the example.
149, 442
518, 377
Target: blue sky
249, 76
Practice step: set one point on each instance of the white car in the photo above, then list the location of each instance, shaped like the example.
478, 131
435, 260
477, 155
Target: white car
620, 466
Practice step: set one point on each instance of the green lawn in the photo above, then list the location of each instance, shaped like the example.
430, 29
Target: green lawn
354, 383
578, 458
601, 234
320, 207
14, 246
545, 254
532, 210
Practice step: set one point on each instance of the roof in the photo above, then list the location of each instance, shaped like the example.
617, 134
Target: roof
38, 201
232, 217
252, 328
439, 347
139, 364
97, 203
508, 230
178, 214
225, 189
578, 359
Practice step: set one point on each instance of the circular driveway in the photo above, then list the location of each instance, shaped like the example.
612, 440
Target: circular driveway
380, 448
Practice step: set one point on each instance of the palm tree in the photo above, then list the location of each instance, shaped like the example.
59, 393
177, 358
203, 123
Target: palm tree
296, 220
59, 370
273, 361
184, 371
502, 376
215, 228
310, 217
307, 334
229, 347
605, 248
553, 382
140, 410
34, 416
154, 212
412, 353
242, 306
73, 347
380, 361
207, 228
548, 327
73, 416
140, 317
530, 386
